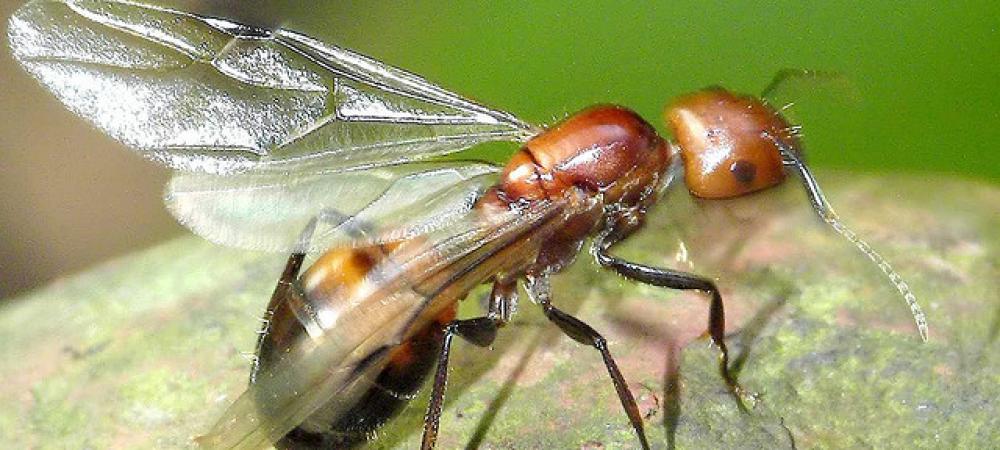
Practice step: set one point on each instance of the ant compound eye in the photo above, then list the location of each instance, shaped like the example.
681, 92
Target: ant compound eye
744, 171
727, 142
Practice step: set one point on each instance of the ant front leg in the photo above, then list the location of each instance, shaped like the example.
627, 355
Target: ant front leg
672, 279
480, 331
579, 331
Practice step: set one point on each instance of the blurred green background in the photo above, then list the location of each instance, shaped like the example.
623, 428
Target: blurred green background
923, 99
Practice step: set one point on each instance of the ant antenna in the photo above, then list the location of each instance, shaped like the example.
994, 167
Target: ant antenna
825, 212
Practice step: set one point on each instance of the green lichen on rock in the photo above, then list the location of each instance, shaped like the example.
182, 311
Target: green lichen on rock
146, 351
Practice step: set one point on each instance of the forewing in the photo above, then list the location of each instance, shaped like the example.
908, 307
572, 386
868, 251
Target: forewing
416, 280
262, 210
207, 94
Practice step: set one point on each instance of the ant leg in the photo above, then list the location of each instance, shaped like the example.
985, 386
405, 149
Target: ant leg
672, 279
286, 291
503, 301
585, 334
286, 286
287, 297
480, 331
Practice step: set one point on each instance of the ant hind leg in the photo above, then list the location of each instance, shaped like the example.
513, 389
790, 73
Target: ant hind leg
480, 331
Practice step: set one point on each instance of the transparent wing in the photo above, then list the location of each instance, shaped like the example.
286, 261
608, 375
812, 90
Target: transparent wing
333, 369
205, 94
262, 210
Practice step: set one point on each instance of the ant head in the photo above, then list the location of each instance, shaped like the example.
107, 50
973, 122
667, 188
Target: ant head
735, 144
731, 144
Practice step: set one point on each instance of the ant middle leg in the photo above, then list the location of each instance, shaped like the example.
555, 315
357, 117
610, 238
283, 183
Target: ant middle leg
579, 331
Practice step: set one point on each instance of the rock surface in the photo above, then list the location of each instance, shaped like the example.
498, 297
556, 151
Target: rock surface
147, 350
